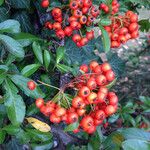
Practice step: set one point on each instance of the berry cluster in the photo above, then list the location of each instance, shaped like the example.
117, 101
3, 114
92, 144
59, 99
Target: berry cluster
123, 28
106, 9
82, 13
93, 102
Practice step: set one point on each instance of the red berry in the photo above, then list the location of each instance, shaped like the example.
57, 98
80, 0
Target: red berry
60, 111
100, 115
87, 122
90, 35
97, 69
92, 98
105, 67
56, 13
134, 18
101, 80
78, 102
74, 5
83, 41
68, 31
60, 34
84, 91
84, 68
31, 85
110, 110
133, 27
83, 19
76, 38
81, 112
56, 26
91, 84
39, 102
72, 117
113, 100
45, 3
110, 76
54, 118
93, 64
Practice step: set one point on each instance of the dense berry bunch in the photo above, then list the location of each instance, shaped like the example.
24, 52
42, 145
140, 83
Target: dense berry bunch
114, 8
123, 28
93, 102
81, 13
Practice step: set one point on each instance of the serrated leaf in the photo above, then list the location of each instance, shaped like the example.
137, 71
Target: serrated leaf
30, 69
14, 103
24, 20
47, 59
19, 3
37, 51
21, 82
25, 39
14, 47
116, 63
72, 127
78, 56
39, 125
10, 26
105, 39
60, 54
4, 14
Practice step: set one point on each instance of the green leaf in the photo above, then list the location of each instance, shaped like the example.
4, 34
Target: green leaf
60, 54
63, 68
110, 85
25, 39
144, 25
117, 63
10, 26
105, 22
4, 14
47, 58
134, 144
30, 69
38, 136
21, 82
19, 3
43, 146
24, 20
11, 129
14, 47
2, 136
72, 127
113, 141
134, 133
78, 56
3, 69
1, 2
37, 51
105, 39
2, 78
14, 103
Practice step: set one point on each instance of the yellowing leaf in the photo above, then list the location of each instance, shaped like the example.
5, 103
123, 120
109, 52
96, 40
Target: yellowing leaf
39, 125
